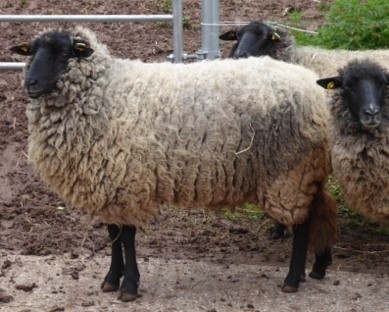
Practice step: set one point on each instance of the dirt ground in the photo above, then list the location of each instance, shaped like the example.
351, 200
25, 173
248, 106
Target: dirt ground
192, 260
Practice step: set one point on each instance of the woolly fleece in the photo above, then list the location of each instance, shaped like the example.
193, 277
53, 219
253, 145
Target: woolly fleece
360, 158
122, 136
323, 62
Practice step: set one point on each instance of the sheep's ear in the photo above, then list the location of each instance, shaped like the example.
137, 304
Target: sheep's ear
229, 36
330, 83
22, 49
82, 50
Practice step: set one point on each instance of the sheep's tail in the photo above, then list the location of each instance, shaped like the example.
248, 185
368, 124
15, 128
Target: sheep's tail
323, 229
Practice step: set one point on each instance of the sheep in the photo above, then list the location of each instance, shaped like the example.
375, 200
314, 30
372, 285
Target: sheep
259, 39
116, 138
344, 133
359, 134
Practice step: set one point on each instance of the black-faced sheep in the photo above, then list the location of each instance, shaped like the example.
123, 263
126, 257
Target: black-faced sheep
359, 135
257, 39
116, 138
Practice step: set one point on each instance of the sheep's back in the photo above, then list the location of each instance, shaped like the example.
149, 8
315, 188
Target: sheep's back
326, 62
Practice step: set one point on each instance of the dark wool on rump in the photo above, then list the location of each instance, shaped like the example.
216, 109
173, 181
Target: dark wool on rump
360, 158
122, 136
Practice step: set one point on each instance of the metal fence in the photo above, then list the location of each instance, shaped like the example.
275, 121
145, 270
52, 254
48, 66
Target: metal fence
175, 18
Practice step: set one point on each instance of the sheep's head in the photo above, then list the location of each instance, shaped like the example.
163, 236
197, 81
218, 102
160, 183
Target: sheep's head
362, 85
49, 55
251, 40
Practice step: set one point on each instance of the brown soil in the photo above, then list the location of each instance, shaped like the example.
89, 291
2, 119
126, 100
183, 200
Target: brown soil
35, 222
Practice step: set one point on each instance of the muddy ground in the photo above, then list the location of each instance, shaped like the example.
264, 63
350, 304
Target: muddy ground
192, 260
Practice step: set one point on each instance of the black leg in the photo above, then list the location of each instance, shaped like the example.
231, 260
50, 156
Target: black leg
129, 288
278, 231
299, 257
112, 279
321, 264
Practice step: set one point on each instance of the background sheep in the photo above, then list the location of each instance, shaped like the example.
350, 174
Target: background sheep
256, 39
359, 126
116, 138
346, 165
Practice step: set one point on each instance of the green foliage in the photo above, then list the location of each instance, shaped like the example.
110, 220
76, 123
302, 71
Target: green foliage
166, 6
353, 25
247, 211
186, 22
350, 219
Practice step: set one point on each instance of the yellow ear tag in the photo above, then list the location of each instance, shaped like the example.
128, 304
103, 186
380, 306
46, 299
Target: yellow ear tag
24, 46
80, 46
331, 85
275, 36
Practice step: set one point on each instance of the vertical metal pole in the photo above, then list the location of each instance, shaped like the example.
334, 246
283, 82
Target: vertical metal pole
177, 31
210, 29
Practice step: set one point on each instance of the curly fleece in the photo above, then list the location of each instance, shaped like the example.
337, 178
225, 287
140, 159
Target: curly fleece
360, 158
122, 137
323, 62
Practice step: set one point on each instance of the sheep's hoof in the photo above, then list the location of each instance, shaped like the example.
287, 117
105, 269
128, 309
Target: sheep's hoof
107, 287
317, 275
125, 297
289, 289
111, 281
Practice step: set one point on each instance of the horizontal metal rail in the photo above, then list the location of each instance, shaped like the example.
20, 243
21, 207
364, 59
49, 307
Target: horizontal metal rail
101, 19
11, 66
87, 18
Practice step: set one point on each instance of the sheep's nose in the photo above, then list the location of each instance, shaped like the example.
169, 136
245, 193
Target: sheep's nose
241, 54
31, 82
371, 111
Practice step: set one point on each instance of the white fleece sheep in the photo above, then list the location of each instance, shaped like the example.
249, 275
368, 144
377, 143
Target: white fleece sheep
119, 137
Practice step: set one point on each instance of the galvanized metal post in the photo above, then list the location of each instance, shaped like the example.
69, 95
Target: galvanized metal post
210, 29
177, 31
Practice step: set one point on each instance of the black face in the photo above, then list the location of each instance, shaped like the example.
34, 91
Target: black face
363, 84
365, 96
251, 40
50, 55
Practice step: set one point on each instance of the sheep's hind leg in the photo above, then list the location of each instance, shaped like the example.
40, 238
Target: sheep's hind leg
321, 264
129, 287
112, 279
299, 256
278, 231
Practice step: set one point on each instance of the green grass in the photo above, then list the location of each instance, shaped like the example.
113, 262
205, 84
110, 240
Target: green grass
247, 212
349, 24
350, 219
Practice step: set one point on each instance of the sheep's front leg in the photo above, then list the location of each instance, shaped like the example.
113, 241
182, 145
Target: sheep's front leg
299, 256
112, 279
321, 264
129, 287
